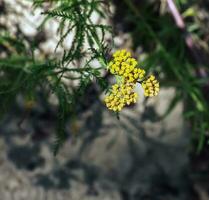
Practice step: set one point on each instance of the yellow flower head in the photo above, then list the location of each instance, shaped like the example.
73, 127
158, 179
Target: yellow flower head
120, 96
151, 86
126, 66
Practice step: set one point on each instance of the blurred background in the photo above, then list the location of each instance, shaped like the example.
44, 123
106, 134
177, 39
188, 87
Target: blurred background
157, 150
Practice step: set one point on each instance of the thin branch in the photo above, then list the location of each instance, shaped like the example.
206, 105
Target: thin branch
177, 16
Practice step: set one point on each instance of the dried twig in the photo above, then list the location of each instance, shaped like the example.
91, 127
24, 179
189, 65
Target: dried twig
178, 18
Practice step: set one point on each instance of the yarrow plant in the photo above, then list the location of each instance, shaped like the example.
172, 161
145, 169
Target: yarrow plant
67, 76
122, 93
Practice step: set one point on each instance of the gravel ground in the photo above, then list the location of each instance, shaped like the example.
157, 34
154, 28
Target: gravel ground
137, 156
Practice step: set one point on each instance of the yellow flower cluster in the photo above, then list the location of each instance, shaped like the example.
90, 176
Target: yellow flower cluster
123, 94
151, 86
124, 65
120, 96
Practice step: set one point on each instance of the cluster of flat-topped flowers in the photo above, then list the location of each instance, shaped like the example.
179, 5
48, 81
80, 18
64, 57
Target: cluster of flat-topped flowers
151, 86
122, 93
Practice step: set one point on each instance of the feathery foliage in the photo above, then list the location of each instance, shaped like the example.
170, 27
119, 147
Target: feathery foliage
22, 73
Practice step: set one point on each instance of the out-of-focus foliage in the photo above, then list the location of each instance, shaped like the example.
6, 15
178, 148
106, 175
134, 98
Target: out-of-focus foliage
164, 50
